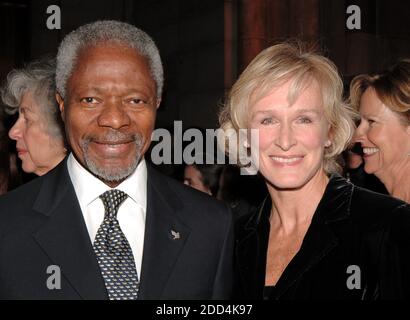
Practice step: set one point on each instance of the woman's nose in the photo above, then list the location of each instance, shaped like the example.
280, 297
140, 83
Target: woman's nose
15, 132
359, 133
285, 140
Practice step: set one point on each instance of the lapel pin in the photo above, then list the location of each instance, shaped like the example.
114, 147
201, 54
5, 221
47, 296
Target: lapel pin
175, 235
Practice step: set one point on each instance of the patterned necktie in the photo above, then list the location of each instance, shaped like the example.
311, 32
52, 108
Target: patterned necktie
114, 253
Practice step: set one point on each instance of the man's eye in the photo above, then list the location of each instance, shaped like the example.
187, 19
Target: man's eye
137, 101
89, 100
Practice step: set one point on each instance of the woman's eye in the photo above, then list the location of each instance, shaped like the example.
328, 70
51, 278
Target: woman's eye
266, 121
25, 117
370, 121
304, 120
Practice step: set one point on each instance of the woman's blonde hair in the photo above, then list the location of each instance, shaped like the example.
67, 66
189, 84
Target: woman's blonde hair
278, 64
392, 88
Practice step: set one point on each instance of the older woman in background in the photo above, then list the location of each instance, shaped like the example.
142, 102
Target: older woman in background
38, 131
4, 159
384, 131
316, 236
9, 174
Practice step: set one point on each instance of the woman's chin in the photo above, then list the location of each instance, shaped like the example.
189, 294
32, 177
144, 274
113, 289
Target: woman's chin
288, 183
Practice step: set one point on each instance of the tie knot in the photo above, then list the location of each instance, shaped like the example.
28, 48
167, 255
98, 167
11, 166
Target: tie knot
112, 200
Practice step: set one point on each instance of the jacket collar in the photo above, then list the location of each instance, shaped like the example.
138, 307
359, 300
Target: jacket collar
161, 248
64, 236
253, 235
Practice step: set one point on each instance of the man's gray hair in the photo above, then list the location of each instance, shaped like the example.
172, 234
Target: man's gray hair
101, 32
36, 78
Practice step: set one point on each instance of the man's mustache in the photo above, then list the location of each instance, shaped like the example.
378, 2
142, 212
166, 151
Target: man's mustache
113, 137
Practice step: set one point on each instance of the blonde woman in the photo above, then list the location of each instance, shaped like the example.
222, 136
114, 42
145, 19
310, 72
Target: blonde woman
316, 236
384, 131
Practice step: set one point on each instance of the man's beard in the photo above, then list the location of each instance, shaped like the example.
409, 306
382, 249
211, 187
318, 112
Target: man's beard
113, 174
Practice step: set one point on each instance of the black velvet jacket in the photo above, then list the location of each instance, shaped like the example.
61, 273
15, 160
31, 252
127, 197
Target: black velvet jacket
357, 247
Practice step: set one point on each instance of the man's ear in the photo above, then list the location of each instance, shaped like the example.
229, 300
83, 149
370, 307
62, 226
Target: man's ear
158, 102
60, 102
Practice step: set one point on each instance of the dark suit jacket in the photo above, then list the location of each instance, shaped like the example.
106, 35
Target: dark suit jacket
351, 227
41, 225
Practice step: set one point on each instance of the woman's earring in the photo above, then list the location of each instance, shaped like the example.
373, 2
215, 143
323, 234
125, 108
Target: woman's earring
328, 143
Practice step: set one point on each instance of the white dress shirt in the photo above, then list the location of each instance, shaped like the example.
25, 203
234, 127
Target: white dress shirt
131, 214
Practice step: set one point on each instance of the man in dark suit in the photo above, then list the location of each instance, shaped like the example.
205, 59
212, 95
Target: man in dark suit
103, 224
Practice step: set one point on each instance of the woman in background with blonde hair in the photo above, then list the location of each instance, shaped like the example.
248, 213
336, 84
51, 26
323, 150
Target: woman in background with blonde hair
316, 236
384, 131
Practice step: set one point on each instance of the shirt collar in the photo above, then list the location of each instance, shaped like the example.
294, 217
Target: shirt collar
88, 187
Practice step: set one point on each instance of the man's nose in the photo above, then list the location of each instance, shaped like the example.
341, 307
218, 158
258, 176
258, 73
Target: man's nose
113, 115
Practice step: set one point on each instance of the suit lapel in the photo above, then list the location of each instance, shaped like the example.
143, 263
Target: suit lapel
64, 236
319, 241
251, 250
165, 236
320, 238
